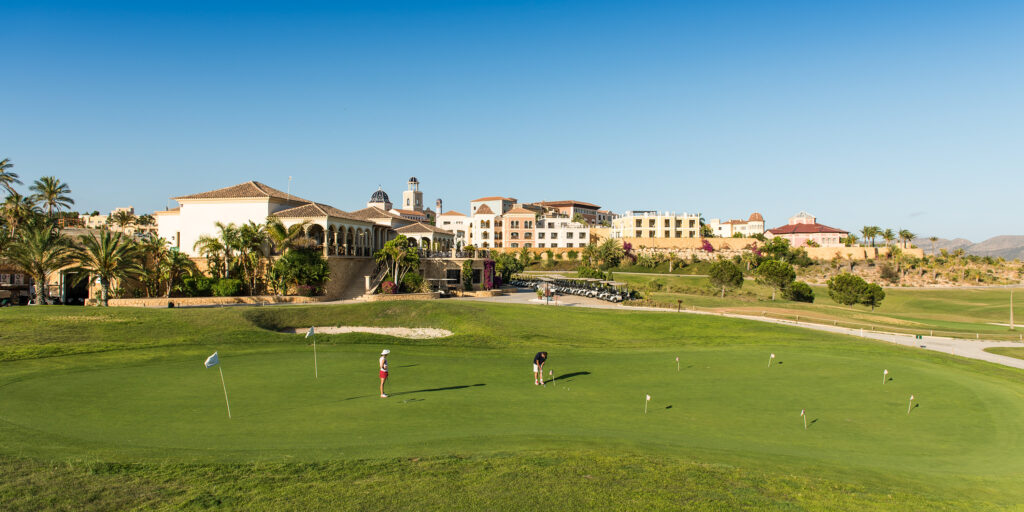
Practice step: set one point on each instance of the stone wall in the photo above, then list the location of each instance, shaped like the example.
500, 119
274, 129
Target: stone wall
381, 297
161, 302
857, 253
344, 272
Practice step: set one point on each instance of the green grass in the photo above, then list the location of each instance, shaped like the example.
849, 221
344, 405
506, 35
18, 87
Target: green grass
1017, 352
112, 409
962, 312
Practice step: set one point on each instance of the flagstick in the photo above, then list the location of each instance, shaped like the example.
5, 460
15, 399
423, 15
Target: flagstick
884, 374
552, 375
645, 405
770, 360
316, 370
805, 421
677, 364
225, 386
910, 404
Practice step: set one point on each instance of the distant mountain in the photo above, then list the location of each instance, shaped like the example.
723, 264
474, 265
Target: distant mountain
1005, 246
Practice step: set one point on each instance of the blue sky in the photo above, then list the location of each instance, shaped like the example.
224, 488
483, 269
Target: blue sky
898, 114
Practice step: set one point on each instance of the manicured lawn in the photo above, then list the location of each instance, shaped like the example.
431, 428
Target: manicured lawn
128, 416
960, 311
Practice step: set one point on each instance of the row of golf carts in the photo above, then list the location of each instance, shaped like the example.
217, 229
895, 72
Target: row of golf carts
611, 291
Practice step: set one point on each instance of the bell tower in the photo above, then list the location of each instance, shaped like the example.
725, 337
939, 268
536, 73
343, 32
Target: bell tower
412, 199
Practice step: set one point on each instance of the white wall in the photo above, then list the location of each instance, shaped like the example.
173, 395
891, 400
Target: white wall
197, 218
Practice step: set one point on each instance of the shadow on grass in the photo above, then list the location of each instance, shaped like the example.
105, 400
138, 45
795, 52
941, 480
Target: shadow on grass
431, 390
570, 375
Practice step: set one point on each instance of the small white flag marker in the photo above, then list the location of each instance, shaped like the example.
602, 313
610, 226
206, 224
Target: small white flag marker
551, 374
316, 370
910, 404
770, 360
677, 363
884, 373
211, 362
804, 416
645, 403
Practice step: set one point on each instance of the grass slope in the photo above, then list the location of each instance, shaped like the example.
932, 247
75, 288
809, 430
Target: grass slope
128, 416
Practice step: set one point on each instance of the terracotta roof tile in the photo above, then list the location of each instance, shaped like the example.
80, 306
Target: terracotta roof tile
484, 210
373, 213
315, 210
800, 229
569, 203
519, 210
494, 198
452, 213
247, 190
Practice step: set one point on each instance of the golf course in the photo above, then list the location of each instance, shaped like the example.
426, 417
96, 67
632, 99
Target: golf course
113, 409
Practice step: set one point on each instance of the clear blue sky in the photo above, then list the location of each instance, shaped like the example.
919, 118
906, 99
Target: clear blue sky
900, 114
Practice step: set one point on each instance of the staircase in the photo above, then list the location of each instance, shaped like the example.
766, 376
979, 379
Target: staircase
357, 285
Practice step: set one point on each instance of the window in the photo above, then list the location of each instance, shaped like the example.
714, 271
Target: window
540, 235
528, 224
679, 234
554, 245
639, 223
453, 273
650, 234
668, 223
568, 245
476, 275
541, 245
528, 235
650, 223
668, 234
554, 236
514, 235
514, 224
583, 235
527, 245
514, 245
692, 223
568, 234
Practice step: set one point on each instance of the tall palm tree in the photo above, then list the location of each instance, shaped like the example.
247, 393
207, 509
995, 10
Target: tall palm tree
154, 250
39, 251
906, 236
869, 233
175, 265
122, 219
145, 220
17, 209
7, 176
106, 256
889, 236
251, 245
284, 238
213, 250
933, 239
52, 193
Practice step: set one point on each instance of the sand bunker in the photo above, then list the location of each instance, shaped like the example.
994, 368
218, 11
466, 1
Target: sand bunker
418, 333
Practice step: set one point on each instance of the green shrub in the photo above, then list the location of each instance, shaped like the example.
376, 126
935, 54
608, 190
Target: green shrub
196, 287
412, 283
573, 254
303, 267
590, 272
467, 275
799, 291
227, 288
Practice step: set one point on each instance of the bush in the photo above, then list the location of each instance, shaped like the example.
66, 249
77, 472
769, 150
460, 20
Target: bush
303, 267
227, 288
799, 291
573, 254
388, 287
467, 275
196, 287
412, 283
590, 272
887, 272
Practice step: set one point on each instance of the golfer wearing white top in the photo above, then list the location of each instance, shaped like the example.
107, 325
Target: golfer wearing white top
383, 363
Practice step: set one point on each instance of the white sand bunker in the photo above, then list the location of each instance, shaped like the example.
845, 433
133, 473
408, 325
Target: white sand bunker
418, 333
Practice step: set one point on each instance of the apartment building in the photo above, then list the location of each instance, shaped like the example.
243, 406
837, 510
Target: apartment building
457, 223
495, 204
558, 232
654, 224
571, 209
754, 225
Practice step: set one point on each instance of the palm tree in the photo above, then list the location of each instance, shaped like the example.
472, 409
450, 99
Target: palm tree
52, 193
7, 176
174, 265
145, 220
106, 256
889, 236
933, 239
251, 244
18, 208
154, 250
39, 251
906, 236
286, 238
869, 233
214, 251
122, 219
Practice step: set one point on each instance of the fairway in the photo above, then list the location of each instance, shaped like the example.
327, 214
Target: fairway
472, 395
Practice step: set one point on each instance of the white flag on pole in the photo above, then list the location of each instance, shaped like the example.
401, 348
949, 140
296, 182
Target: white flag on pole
310, 333
212, 361
648, 398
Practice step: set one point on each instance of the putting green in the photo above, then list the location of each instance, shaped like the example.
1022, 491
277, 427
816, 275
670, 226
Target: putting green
474, 396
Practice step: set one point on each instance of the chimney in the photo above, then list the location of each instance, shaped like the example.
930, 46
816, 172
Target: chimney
439, 207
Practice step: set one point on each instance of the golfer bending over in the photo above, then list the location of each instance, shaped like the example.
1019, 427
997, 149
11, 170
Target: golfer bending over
383, 371
538, 368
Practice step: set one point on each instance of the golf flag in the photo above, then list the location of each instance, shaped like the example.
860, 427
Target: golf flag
648, 398
645, 403
884, 373
212, 361
677, 363
804, 416
310, 333
316, 368
910, 404
770, 359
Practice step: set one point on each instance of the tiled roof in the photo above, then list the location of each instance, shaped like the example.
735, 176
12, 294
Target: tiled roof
569, 203
494, 198
412, 213
519, 210
451, 213
485, 210
420, 227
801, 229
314, 210
756, 217
247, 190
373, 213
